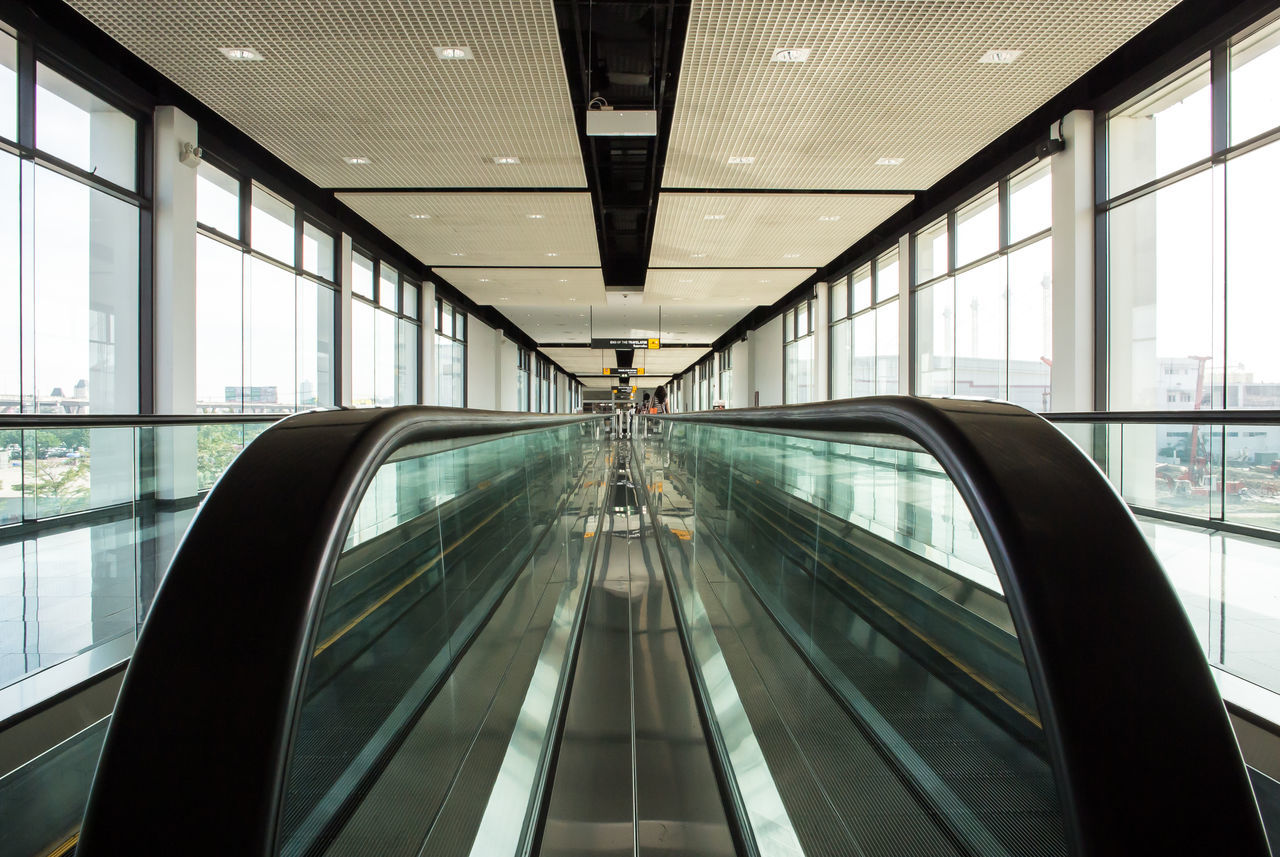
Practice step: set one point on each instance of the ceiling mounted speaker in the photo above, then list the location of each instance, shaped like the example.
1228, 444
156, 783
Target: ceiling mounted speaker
622, 123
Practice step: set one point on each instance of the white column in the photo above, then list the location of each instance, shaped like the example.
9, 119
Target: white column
822, 343
906, 339
429, 379
344, 318
174, 279
1071, 385
504, 373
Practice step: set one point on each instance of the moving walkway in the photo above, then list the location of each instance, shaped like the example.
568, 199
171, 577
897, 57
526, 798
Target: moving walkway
888, 626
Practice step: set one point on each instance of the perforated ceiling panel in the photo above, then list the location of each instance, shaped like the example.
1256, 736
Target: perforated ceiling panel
884, 79
360, 78
713, 230
738, 288
502, 287
486, 229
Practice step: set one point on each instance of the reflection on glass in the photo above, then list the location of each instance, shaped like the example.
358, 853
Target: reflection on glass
363, 372
85, 298
219, 325
932, 250
8, 86
10, 285
1031, 325
388, 286
1253, 304
864, 354
887, 276
82, 129
799, 370
315, 345
1255, 67
317, 251
841, 359
217, 200
840, 298
409, 299
977, 229
270, 351
1160, 132
450, 379
407, 363
1030, 202
384, 358
861, 289
981, 331
887, 348
1161, 298
362, 275
271, 226
935, 339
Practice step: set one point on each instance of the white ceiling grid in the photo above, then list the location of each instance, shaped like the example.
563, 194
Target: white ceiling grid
763, 230
486, 229
577, 324
360, 78
588, 361
522, 287
884, 79
719, 287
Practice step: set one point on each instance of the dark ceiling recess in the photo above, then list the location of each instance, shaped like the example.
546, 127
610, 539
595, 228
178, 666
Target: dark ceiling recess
627, 53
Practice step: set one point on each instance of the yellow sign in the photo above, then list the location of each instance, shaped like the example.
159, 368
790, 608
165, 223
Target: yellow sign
640, 371
633, 390
653, 344
607, 371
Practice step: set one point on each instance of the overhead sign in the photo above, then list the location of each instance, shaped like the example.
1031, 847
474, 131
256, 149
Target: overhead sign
618, 342
624, 393
608, 370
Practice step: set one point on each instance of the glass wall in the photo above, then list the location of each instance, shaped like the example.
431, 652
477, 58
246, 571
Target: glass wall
70, 226
724, 363
451, 355
523, 368
1188, 212
864, 330
799, 376
983, 294
265, 301
385, 334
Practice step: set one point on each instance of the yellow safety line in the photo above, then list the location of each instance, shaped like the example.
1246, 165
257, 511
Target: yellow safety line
410, 579
923, 637
65, 846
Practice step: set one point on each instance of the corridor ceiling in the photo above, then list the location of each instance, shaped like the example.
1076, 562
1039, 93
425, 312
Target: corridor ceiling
769, 173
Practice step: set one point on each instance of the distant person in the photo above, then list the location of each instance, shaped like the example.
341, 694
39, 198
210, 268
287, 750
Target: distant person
660, 399
644, 404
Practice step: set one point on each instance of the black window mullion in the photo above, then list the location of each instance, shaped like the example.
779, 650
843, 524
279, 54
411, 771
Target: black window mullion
1002, 205
1220, 96
246, 210
951, 241
26, 92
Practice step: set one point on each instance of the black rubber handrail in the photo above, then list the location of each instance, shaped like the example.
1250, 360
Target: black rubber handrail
195, 758
1232, 417
30, 422
1143, 753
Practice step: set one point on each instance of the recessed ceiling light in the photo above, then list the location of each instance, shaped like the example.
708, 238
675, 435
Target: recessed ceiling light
739, 160
455, 253
888, 162
506, 160
677, 299
713, 217
553, 254
535, 216
484, 279
790, 55
420, 216
504, 299
698, 255
454, 53
686, 281
563, 281
241, 54
828, 218
1000, 57
766, 281
357, 160
791, 255
573, 300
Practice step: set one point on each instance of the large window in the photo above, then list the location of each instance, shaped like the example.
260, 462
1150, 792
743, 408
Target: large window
265, 301
864, 330
451, 355
542, 387
984, 298
799, 375
1191, 287
385, 334
724, 366
70, 226
523, 367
